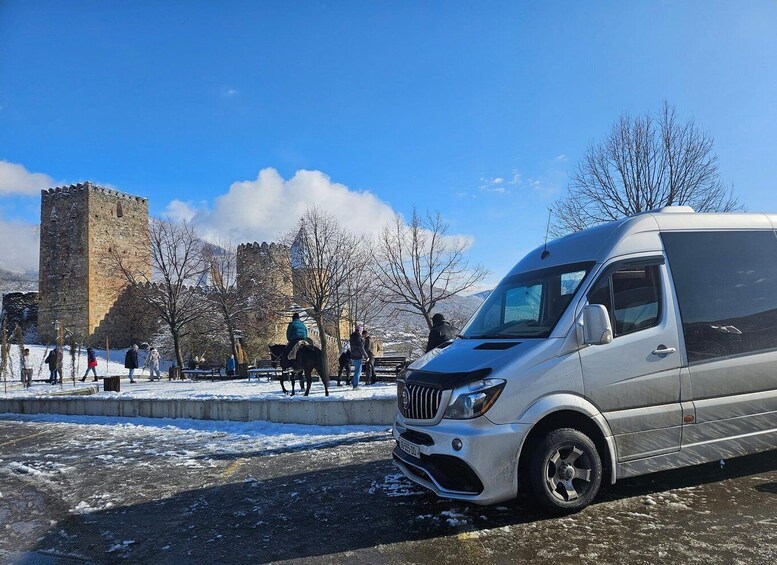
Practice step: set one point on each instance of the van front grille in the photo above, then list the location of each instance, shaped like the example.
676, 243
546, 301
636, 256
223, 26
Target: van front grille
418, 402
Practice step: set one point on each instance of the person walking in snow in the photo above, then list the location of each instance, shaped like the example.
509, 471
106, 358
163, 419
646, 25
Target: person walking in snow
357, 355
26, 368
91, 364
152, 362
131, 362
54, 361
230, 366
369, 365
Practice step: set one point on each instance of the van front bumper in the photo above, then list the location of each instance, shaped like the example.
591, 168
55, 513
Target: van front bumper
483, 471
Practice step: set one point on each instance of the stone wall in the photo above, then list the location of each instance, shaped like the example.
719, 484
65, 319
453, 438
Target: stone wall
64, 270
118, 224
82, 228
20, 308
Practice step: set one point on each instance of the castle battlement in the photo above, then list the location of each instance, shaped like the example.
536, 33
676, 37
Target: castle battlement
262, 247
65, 191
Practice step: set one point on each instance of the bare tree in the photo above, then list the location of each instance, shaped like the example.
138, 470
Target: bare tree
173, 289
223, 291
361, 293
321, 256
644, 163
418, 264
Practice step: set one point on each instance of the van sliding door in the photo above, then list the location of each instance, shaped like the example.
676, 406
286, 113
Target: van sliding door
726, 286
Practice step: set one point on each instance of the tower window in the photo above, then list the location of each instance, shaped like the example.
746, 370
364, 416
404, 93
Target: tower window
119, 210
53, 213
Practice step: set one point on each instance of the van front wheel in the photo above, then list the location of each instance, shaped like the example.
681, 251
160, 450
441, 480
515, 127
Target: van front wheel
565, 471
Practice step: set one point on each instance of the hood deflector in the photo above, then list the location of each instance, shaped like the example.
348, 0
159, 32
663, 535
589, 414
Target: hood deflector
445, 380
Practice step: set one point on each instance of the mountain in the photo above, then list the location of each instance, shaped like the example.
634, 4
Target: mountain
17, 281
405, 333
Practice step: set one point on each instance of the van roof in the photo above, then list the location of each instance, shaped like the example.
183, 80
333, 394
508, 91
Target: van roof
638, 233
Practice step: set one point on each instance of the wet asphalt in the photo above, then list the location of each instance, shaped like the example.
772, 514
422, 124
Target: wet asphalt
67, 497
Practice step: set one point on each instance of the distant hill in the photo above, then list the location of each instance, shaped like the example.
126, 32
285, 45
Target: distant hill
15, 281
403, 332
482, 295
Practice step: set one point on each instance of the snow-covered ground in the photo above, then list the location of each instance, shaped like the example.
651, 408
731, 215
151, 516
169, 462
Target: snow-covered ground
211, 437
255, 389
38, 353
205, 390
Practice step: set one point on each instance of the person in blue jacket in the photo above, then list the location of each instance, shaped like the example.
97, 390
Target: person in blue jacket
295, 331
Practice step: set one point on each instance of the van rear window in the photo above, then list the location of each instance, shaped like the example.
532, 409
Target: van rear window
726, 285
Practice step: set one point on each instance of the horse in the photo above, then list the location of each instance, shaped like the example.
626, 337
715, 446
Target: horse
309, 358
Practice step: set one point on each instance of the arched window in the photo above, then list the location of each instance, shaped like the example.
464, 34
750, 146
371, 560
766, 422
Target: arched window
119, 210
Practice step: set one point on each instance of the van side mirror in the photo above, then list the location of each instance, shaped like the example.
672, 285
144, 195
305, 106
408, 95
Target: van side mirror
597, 329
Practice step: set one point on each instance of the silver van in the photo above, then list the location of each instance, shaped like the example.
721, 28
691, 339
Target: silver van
636, 346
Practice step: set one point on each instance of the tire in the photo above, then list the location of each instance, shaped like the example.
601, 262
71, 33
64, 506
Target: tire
565, 471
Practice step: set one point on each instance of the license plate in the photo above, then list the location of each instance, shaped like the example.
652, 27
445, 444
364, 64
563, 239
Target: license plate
409, 448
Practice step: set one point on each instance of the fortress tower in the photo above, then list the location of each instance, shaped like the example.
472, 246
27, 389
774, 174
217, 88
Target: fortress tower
82, 226
262, 267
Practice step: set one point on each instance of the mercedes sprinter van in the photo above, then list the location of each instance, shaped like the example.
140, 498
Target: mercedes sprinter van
640, 345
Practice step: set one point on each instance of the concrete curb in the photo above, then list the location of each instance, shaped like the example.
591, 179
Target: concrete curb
324, 413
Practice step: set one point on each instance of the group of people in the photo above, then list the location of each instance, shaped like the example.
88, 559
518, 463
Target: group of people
358, 350
131, 362
54, 362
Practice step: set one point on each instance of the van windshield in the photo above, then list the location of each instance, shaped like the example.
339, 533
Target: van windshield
527, 304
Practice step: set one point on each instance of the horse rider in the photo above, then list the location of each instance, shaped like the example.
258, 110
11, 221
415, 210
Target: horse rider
295, 332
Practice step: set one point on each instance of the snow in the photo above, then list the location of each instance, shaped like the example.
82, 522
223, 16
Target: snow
209, 435
243, 389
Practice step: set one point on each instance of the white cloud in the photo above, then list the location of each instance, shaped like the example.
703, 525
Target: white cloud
21, 245
15, 179
262, 209
498, 189
561, 157
184, 211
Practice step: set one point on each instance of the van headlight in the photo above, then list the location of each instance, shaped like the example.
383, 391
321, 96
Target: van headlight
474, 399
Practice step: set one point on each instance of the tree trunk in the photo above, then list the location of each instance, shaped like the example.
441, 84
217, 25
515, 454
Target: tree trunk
324, 347
428, 319
177, 347
232, 341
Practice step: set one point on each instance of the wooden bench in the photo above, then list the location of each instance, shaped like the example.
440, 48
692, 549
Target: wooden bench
388, 368
265, 368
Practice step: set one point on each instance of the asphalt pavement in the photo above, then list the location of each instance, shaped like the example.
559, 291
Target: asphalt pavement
68, 495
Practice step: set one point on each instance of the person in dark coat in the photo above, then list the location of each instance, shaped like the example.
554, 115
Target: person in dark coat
369, 365
357, 354
91, 364
131, 362
54, 361
441, 332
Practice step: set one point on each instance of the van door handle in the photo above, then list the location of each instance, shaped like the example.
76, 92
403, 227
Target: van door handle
661, 350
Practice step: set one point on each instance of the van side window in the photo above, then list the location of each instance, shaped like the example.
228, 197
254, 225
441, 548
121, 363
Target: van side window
726, 285
632, 295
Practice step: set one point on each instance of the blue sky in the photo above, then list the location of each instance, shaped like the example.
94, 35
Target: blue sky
417, 103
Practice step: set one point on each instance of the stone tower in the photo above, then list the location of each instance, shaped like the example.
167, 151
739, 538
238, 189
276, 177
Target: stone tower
263, 267
82, 227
